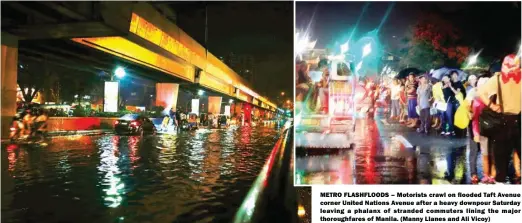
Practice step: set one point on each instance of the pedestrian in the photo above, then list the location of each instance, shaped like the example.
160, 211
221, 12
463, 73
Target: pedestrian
504, 136
303, 81
471, 84
477, 143
403, 101
424, 97
457, 84
411, 90
323, 90
438, 97
395, 97
451, 106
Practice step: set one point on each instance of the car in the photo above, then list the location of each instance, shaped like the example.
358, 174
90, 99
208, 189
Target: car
134, 124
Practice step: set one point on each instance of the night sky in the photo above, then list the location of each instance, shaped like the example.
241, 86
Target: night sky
482, 23
261, 29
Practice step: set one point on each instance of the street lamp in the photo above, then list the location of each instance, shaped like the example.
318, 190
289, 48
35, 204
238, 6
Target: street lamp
344, 48
119, 72
472, 59
367, 49
200, 92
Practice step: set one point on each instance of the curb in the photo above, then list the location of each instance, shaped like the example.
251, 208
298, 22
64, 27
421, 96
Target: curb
78, 132
71, 133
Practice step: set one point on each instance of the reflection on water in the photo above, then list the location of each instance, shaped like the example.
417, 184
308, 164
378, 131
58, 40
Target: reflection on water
200, 176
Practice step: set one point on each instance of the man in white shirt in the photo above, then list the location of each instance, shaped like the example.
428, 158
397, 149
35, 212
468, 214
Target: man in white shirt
395, 97
507, 103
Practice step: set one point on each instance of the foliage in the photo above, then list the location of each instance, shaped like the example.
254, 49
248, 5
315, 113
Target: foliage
33, 77
80, 111
434, 42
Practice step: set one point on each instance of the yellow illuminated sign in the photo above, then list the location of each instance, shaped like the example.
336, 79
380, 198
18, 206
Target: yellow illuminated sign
148, 31
124, 48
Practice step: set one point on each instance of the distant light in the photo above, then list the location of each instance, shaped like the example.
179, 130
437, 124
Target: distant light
288, 101
344, 48
200, 92
367, 49
359, 66
301, 212
473, 59
231, 101
119, 72
21, 66
337, 57
75, 96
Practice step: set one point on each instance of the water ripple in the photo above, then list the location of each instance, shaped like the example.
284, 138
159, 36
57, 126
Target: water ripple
199, 176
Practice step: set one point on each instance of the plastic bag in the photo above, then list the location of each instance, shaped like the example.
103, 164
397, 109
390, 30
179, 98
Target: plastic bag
462, 117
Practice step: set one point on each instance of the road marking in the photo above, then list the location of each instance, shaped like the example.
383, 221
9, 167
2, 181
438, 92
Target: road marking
404, 141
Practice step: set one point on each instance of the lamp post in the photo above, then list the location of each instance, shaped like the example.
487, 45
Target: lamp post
119, 73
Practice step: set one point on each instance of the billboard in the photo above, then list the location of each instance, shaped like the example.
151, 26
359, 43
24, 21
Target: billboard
195, 106
110, 100
214, 105
227, 110
167, 95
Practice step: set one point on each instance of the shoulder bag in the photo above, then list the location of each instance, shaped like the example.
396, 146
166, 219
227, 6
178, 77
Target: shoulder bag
497, 125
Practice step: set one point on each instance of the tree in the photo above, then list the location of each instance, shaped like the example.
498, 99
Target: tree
434, 42
33, 77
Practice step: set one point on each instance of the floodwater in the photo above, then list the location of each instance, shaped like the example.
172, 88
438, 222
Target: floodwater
200, 176
379, 156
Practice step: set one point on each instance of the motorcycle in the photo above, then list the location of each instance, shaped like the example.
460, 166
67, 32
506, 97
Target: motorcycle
18, 131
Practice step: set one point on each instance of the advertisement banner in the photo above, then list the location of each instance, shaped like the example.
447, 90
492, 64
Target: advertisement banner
111, 97
195, 106
214, 105
227, 110
167, 95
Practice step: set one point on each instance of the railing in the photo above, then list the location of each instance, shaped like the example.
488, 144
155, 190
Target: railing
273, 197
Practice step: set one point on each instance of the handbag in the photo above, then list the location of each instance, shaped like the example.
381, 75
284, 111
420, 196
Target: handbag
442, 106
434, 111
497, 125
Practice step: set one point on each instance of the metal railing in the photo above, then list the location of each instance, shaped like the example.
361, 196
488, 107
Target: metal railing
273, 197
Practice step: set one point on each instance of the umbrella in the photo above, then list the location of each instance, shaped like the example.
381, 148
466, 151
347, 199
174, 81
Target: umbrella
439, 73
404, 73
495, 66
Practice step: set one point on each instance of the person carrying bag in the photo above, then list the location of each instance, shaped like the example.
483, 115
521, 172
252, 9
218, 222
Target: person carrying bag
500, 119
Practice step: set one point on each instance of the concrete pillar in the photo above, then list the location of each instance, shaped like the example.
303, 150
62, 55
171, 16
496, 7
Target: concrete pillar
167, 95
214, 105
9, 81
247, 111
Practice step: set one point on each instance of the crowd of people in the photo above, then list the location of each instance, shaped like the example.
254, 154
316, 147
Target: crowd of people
463, 108
178, 119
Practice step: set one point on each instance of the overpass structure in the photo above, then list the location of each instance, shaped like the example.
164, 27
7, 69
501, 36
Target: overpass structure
133, 31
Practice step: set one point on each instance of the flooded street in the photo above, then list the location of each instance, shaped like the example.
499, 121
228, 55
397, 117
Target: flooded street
385, 153
200, 176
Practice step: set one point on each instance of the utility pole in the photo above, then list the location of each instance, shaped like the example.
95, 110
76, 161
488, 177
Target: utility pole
206, 30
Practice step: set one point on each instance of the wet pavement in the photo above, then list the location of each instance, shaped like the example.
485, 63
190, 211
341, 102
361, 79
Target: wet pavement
200, 176
384, 153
